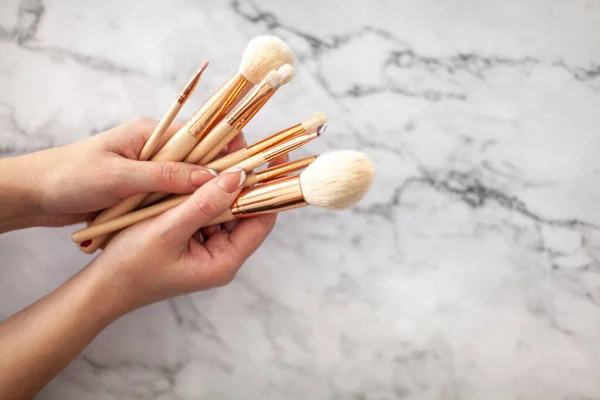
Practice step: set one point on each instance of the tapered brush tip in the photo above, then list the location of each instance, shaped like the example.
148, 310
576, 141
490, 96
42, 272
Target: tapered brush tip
273, 79
286, 74
314, 122
337, 180
262, 55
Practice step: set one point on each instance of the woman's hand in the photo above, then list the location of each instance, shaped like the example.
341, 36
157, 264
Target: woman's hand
159, 258
64, 185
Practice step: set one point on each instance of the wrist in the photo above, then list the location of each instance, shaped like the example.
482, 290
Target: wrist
20, 196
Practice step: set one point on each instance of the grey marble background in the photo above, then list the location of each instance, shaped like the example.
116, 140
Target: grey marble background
471, 271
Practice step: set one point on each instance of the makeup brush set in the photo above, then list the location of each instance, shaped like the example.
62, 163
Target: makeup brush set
335, 180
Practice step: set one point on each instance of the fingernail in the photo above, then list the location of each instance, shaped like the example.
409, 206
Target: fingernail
244, 139
86, 243
231, 181
200, 176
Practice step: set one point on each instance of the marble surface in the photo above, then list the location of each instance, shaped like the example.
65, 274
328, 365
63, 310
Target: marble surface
471, 271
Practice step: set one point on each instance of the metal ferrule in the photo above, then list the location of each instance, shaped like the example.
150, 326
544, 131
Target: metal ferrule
275, 139
214, 109
273, 197
288, 146
249, 106
283, 169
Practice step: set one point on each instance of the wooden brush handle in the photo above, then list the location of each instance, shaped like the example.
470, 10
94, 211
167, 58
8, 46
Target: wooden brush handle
105, 228
122, 222
208, 142
228, 160
216, 148
153, 198
108, 214
160, 129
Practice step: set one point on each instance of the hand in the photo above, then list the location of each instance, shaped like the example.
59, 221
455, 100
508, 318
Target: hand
156, 259
64, 185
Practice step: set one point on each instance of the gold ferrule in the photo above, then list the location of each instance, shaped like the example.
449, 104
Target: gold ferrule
249, 106
275, 139
273, 197
283, 169
288, 145
217, 105
190, 86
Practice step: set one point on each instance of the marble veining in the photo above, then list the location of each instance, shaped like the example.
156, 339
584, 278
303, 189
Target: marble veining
472, 269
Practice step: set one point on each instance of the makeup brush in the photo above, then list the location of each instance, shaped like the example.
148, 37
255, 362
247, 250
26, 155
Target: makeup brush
334, 181
316, 122
234, 122
278, 171
286, 74
263, 54
167, 120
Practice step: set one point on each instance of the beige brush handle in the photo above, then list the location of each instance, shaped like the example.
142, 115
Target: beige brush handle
226, 216
208, 142
105, 228
251, 179
178, 147
153, 198
229, 160
174, 150
249, 163
216, 149
160, 129
108, 214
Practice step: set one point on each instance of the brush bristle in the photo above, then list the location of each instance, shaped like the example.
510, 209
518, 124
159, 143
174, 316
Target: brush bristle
314, 121
286, 74
262, 55
337, 180
273, 79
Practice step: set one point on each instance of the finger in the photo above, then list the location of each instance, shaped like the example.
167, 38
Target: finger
229, 251
238, 142
132, 177
206, 204
129, 139
230, 225
210, 230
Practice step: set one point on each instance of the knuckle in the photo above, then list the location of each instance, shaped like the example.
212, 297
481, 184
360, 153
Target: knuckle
206, 206
170, 172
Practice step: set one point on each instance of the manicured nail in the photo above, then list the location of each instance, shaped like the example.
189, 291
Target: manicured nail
200, 176
244, 139
86, 243
231, 181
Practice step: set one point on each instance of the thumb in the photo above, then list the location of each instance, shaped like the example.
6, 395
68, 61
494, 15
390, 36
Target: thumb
167, 176
206, 204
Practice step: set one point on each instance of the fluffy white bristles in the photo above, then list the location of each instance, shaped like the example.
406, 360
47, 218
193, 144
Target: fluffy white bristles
273, 79
263, 55
337, 180
314, 121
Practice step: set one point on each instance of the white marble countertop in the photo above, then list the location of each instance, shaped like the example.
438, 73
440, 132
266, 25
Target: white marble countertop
470, 271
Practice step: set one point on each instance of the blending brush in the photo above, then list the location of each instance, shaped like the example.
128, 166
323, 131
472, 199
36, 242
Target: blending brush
334, 181
317, 122
262, 55
234, 122
167, 120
